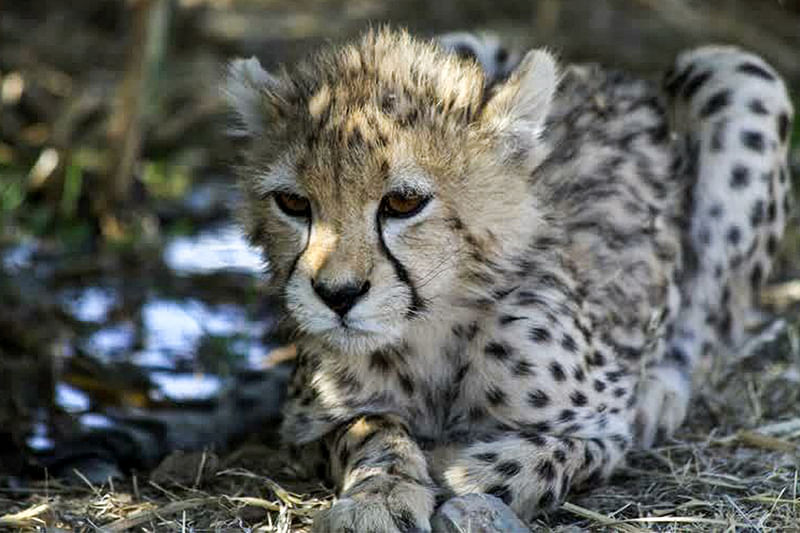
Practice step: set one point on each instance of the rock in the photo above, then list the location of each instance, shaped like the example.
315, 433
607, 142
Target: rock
477, 513
186, 468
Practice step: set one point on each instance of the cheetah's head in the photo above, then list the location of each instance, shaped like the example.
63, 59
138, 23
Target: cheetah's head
386, 187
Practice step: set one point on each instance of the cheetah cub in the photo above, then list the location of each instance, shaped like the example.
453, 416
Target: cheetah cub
500, 287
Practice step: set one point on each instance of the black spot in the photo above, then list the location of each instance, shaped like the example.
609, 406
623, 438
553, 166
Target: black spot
541, 427
757, 213
498, 350
462, 372
772, 244
566, 415
487, 457
380, 362
508, 468
560, 456
715, 211
772, 212
522, 368
754, 140
716, 103
507, 319
476, 413
467, 331
533, 437
496, 396
588, 457
757, 107
734, 235
783, 127
406, 384
718, 135
538, 398
782, 175
755, 70
740, 177
547, 499
557, 371
596, 359
614, 375
578, 398
676, 355
578, 374
546, 470
673, 84
756, 277
568, 343
695, 83
599, 386
501, 491
539, 334
619, 392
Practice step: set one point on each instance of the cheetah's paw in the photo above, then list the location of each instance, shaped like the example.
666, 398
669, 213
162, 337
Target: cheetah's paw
382, 503
663, 399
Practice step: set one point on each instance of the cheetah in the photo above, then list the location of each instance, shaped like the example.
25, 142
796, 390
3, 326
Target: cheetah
500, 283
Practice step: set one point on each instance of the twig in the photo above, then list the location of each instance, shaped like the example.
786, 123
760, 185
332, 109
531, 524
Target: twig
142, 517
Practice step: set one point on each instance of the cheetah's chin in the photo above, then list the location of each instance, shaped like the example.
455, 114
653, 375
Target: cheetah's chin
355, 339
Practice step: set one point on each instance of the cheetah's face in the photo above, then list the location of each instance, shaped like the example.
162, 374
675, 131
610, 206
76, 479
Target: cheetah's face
378, 176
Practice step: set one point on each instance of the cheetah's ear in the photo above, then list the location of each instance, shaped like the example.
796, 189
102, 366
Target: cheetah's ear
521, 104
250, 92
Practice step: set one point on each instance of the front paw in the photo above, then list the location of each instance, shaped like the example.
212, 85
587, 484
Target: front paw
381, 504
663, 399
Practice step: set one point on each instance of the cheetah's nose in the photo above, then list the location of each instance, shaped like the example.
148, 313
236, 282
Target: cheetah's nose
340, 298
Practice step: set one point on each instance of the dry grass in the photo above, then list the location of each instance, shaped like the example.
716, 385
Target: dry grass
734, 466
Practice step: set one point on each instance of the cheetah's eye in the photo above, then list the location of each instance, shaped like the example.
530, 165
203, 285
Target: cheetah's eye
399, 205
293, 204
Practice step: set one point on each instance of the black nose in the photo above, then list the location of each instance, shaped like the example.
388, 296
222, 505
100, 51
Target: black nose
340, 298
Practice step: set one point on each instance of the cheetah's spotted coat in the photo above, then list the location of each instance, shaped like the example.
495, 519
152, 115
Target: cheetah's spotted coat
576, 239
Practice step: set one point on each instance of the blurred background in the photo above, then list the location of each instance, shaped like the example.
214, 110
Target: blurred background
130, 315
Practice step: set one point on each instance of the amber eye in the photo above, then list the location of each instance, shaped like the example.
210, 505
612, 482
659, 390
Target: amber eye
293, 204
399, 205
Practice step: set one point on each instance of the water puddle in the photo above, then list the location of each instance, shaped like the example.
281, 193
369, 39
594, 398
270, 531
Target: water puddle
223, 248
178, 335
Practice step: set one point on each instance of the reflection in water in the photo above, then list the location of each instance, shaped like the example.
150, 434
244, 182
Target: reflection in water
94, 420
221, 249
71, 399
39, 440
111, 342
188, 351
89, 305
187, 387
19, 257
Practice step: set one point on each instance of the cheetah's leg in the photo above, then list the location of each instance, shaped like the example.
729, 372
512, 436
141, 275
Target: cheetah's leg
382, 478
733, 115
530, 471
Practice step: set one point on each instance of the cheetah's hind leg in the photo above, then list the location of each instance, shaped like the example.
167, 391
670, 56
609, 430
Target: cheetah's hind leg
732, 115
